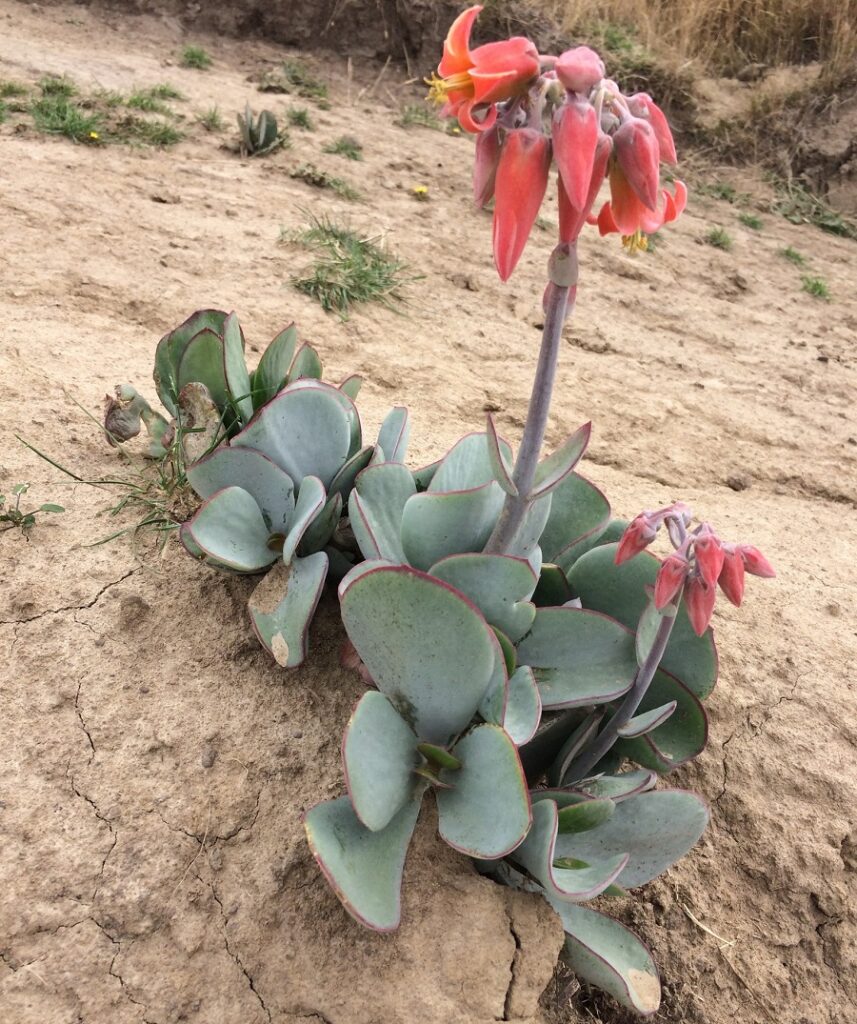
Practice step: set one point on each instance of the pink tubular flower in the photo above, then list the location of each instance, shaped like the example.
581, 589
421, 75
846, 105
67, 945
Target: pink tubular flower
731, 578
699, 600
571, 219
670, 578
638, 535
709, 554
638, 156
522, 178
485, 165
624, 213
468, 80
575, 137
579, 69
643, 106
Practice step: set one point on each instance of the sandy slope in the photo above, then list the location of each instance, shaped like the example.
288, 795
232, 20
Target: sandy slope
154, 763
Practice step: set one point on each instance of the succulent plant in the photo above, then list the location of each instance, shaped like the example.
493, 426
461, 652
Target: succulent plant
258, 135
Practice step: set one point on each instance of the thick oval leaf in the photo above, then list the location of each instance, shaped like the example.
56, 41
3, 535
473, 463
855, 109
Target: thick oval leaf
486, 813
229, 528
202, 361
425, 646
551, 471
584, 815
364, 868
647, 629
306, 364
305, 430
500, 464
538, 853
379, 752
523, 706
680, 739
270, 486
656, 828
553, 589
606, 954
394, 434
424, 475
348, 407
321, 528
235, 370
579, 657
466, 465
437, 524
351, 386
641, 724
283, 604
498, 585
620, 591
579, 738
171, 349
273, 369
619, 787
343, 482
376, 508
311, 500
579, 513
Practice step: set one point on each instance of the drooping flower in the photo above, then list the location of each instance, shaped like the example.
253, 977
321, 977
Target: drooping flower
575, 136
522, 178
699, 598
642, 105
572, 219
485, 165
731, 577
709, 554
579, 69
755, 562
670, 578
472, 81
626, 214
638, 535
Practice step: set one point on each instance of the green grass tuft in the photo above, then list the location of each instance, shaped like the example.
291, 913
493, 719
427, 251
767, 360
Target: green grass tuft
750, 220
58, 115
165, 91
302, 80
816, 287
347, 146
793, 256
145, 132
311, 174
348, 268
8, 89
211, 120
718, 190
143, 99
718, 238
195, 57
419, 115
799, 206
51, 85
299, 118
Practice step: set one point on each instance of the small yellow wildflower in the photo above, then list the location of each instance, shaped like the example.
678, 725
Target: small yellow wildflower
420, 193
94, 136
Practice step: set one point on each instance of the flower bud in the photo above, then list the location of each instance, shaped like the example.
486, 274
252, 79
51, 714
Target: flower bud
642, 105
755, 562
731, 577
670, 578
638, 154
575, 136
699, 600
638, 535
572, 219
709, 554
579, 69
522, 178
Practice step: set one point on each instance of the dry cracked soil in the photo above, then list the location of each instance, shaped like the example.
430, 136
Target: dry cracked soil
155, 763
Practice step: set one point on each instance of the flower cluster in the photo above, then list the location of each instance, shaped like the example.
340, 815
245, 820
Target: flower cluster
701, 561
529, 111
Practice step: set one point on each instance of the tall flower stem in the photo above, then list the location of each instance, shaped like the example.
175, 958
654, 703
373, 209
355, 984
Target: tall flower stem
604, 741
558, 301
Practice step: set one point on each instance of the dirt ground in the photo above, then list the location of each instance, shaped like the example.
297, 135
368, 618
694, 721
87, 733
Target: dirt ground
155, 763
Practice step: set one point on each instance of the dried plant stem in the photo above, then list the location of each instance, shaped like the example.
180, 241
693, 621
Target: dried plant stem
558, 297
604, 741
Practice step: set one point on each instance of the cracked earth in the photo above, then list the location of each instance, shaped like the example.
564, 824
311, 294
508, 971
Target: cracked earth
155, 763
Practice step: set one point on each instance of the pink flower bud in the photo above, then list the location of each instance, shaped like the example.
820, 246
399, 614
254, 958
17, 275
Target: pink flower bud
671, 576
522, 178
731, 577
709, 554
755, 562
575, 136
572, 219
638, 535
485, 166
637, 151
699, 600
642, 105
579, 69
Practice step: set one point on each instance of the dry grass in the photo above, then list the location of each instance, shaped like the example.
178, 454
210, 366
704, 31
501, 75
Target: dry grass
725, 35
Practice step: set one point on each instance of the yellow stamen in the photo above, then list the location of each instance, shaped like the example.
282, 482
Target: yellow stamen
638, 242
439, 88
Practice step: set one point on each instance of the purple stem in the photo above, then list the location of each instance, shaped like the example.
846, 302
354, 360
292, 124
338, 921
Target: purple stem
559, 294
604, 741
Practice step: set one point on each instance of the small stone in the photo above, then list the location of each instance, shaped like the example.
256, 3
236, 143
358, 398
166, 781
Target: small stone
209, 756
297, 734
738, 482
132, 610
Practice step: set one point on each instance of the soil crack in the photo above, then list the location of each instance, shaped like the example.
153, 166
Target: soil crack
71, 607
513, 969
